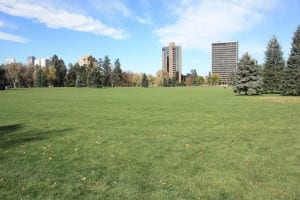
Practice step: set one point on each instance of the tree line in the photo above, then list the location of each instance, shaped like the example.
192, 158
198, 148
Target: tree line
95, 73
275, 75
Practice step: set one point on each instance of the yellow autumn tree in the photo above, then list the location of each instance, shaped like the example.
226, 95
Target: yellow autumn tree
51, 75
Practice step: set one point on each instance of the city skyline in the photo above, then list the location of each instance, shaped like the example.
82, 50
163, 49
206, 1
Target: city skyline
134, 32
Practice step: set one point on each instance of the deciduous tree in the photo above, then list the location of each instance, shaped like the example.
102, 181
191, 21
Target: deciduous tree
215, 79
127, 79
51, 75
152, 80
189, 81
26, 76
200, 80
161, 77
136, 79
12, 73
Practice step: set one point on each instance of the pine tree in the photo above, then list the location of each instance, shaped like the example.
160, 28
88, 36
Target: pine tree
194, 76
90, 79
248, 76
273, 73
78, 80
3, 80
145, 81
71, 75
61, 71
291, 84
39, 80
117, 73
106, 66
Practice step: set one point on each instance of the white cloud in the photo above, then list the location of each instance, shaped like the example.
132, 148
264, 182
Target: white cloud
8, 36
144, 20
59, 18
115, 8
108, 8
199, 23
12, 37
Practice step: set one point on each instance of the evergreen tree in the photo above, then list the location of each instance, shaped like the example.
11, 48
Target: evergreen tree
291, 84
174, 82
117, 73
90, 79
39, 78
273, 73
3, 80
169, 82
61, 71
194, 76
145, 81
106, 66
78, 80
248, 76
71, 75
98, 77
165, 82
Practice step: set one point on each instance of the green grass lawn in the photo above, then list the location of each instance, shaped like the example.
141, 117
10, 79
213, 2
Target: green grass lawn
155, 143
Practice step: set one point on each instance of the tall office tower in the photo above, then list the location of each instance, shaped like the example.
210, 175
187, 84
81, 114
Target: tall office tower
84, 60
30, 60
224, 59
43, 62
171, 61
10, 61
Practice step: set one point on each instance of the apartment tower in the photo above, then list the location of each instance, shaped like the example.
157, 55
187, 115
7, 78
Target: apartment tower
171, 61
30, 60
224, 60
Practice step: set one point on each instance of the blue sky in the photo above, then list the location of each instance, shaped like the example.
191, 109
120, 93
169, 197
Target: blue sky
135, 30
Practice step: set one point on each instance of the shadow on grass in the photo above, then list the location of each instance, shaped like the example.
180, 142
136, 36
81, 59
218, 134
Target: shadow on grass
10, 128
14, 135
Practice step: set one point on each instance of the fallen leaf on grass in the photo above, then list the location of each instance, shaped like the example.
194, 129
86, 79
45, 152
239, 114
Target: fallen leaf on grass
54, 184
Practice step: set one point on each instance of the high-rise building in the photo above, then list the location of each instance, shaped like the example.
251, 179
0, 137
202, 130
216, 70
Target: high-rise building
30, 60
224, 59
10, 61
171, 61
87, 60
84, 60
44, 62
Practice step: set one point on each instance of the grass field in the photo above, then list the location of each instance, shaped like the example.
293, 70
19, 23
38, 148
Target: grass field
155, 143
